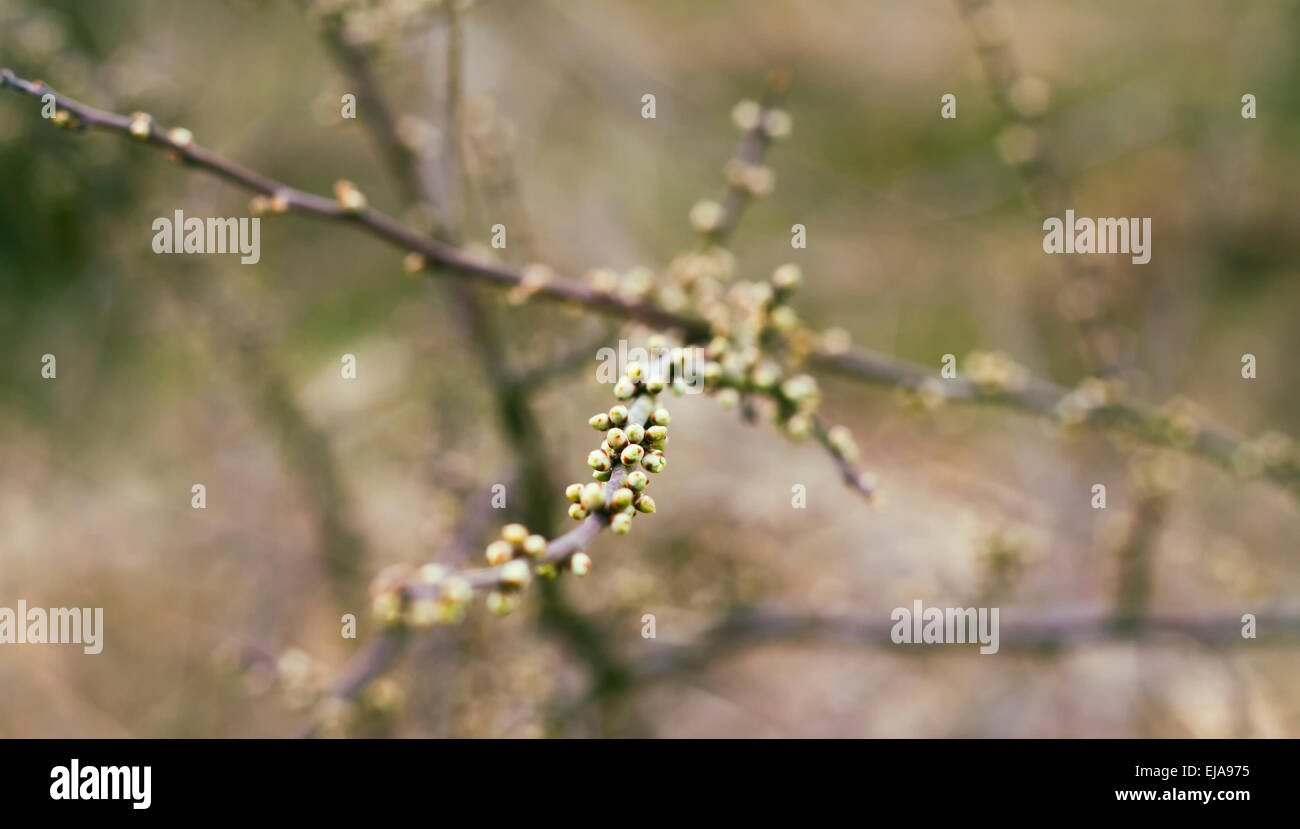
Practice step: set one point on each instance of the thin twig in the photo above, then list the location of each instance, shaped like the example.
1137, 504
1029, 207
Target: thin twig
448, 257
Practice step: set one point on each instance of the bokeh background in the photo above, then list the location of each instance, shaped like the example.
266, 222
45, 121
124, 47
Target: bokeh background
922, 240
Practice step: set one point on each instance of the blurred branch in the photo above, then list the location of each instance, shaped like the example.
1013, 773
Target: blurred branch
308, 452
518, 422
1023, 100
1135, 561
568, 359
1020, 630
864, 483
448, 588
753, 146
1207, 439
1212, 441
383, 650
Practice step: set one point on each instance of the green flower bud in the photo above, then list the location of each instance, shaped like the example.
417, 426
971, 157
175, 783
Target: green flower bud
634, 371
777, 123
632, 455
657, 434
501, 604
800, 388
349, 197
547, 571
593, 497
653, 463
580, 564
602, 475
727, 398
456, 590
422, 613
621, 499
618, 415
599, 460
783, 318
645, 503
514, 533
617, 438
535, 545
637, 480
766, 375
573, 492
621, 523
499, 552
787, 278
599, 422
141, 125
635, 433
654, 385
841, 440
624, 389
516, 573
798, 427
679, 387
387, 607
576, 512
181, 137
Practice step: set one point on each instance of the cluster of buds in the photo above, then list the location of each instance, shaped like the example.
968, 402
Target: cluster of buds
1272, 452
633, 286
418, 598
513, 555
631, 448
755, 335
1180, 422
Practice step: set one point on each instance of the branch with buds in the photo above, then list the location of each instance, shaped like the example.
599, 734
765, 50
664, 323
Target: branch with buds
1272, 456
755, 349
993, 378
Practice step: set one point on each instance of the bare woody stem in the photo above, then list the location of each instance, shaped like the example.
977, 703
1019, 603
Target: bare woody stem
454, 260
1215, 442
1020, 630
1212, 441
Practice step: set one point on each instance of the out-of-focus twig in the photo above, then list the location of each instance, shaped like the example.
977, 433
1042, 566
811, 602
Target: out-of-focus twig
1023, 100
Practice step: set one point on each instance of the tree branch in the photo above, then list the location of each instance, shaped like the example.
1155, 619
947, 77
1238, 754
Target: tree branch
1212, 441
455, 261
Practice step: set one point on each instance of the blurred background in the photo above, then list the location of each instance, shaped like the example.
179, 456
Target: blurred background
924, 238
